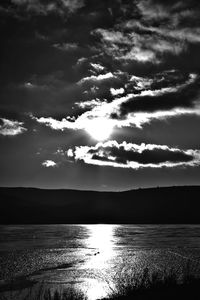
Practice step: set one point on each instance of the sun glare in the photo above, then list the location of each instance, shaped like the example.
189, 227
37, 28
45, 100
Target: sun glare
101, 239
101, 243
99, 129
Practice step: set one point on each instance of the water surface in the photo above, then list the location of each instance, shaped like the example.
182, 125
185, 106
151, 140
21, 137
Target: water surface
90, 256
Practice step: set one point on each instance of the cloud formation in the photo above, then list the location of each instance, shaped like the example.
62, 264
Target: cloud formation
46, 7
101, 70
156, 30
11, 127
128, 155
148, 102
49, 164
66, 46
99, 77
164, 99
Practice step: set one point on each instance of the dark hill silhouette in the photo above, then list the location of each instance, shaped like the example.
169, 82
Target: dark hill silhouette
152, 205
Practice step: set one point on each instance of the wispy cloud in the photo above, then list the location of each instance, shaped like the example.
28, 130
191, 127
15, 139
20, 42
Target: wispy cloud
11, 127
97, 67
161, 29
57, 124
100, 77
45, 7
143, 48
72, 5
66, 46
135, 109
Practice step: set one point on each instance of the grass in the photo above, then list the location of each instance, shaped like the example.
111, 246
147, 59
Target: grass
165, 285
159, 285
43, 293
69, 294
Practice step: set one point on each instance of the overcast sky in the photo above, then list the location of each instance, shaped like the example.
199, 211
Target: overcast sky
99, 94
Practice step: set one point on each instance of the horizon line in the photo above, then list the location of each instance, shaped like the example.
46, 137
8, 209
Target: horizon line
99, 191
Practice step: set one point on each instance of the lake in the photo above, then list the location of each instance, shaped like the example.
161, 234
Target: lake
89, 257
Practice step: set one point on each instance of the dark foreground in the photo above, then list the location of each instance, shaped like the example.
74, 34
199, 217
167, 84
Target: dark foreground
146, 286
191, 291
171, 205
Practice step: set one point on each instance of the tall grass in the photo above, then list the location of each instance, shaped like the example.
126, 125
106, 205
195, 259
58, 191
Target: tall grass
69, 294
167, 284
44, 293
157, 285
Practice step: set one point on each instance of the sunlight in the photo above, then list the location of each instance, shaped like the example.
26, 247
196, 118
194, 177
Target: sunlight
101, 245
95, 289
99, 129
101, 240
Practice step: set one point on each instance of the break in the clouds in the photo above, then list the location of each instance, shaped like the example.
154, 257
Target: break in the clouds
77, 72
128, 155
11, 127
147, 102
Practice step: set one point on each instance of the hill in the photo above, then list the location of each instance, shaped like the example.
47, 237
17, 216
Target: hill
152, 205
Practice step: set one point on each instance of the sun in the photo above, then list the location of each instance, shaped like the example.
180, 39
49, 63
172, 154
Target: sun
99, 129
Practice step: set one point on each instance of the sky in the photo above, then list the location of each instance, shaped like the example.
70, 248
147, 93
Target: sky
99, 94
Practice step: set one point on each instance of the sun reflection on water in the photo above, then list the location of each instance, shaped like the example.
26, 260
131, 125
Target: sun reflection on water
101, 241
101, 246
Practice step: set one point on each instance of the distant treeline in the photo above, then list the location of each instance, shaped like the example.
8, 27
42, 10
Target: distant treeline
152, 205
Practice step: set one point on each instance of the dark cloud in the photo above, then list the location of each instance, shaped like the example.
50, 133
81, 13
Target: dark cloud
135, 156
155, 156
183, 98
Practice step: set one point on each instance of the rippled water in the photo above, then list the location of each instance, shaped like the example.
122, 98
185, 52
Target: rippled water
89, 256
